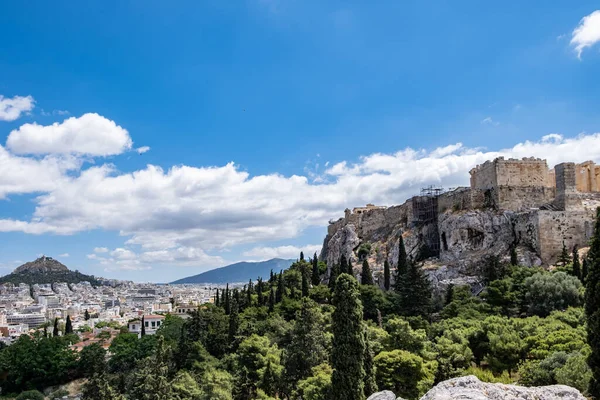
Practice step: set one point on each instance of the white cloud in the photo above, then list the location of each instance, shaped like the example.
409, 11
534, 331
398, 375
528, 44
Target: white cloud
90, 134
11, 109
143, 149
186, 215
100, 250
587, 32
489, 121
286, 252
64, 255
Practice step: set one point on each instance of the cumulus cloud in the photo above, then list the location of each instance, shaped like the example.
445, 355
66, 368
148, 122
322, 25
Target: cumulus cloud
287, 252
187, 215
100, 250
91, 134
489, 121
587, 32
143, 149
12, 108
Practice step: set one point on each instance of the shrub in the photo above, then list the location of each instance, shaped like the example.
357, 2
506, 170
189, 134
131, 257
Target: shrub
30, 395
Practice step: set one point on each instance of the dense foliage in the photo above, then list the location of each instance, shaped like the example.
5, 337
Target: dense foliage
297, 336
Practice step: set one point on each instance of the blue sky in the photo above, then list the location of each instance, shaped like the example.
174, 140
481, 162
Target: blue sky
266, 118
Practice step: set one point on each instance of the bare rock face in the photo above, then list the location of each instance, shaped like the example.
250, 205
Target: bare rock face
343, 242
385, 395
471, 388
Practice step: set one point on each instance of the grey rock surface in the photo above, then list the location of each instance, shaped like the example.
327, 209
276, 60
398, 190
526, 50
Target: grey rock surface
471, 388
385, 395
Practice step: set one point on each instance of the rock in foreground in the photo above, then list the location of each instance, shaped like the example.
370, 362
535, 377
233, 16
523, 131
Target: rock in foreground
471, 388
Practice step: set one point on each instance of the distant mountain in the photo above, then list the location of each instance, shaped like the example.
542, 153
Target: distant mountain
238, 272
46, 270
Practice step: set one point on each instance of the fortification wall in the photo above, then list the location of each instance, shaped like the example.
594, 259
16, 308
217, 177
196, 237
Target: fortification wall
525, 172
554, 227
587, 177
484, 176
456, 200
518, 198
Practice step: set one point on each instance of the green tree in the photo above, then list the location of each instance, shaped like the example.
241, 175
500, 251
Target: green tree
271, 300
280, 288
576, 263
86, 315
564, 257
68, 326
402, 265
55, 331
333, 274
415, 292
316, 276
217, 298
308, 346
584, 270
234, 323
592, 308
348, 345
150, 380
546, 292
98, 388
252, 357
305, 287
343, 265
92, 360
400, 372
402, 337
317, 386
216, 384
227, 300
514, 260
185, 387
386, 274
143, 332
369, 366
366, 276
30, 395
260, 288
453, 354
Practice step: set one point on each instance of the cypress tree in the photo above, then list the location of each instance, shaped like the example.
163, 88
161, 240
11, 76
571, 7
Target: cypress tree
584, 270
217, 298
514, 260
86, 315
249, 294
271, 277
386, 275
592, 309
402, 266
333, 274
366, 276
343, 265
576, 263
280, 288
350, 268
259, 292
301, 256
348, 346
55, 330
143, 332
415, 292
269, 380
227, 300
305, 287
68, 326
564, 257
234, 323
370, 384
316, 277
271, 300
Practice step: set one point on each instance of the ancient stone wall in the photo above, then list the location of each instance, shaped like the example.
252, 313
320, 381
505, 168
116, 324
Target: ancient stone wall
523, 197
566, 187
455, 200
554, 227
587, 176
525, 172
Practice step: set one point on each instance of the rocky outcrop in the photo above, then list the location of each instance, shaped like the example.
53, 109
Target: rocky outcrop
343, 242
471, 388
41, 265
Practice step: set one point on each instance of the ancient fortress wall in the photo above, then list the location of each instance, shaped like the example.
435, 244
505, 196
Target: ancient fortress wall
509, 202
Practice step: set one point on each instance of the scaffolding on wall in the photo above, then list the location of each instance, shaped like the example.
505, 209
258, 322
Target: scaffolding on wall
425, 211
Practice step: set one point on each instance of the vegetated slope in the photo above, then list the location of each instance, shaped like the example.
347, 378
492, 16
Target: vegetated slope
238, 272
46, 270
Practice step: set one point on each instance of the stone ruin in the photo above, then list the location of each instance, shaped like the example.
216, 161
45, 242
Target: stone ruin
520, 203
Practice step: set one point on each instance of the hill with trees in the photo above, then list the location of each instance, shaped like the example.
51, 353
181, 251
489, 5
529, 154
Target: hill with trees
46, 270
